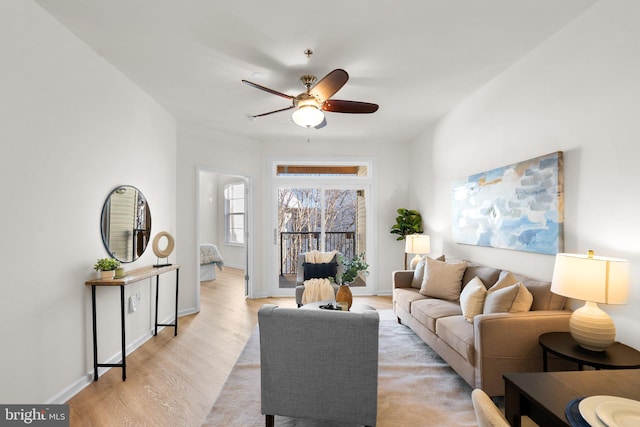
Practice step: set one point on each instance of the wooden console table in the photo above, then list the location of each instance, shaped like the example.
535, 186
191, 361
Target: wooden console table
131, 277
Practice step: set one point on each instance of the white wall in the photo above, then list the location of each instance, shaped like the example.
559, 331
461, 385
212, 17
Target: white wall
203, 149
209, 202
577, 93
71, 129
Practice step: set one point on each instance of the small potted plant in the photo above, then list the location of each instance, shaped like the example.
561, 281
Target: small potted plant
106, 267
351, 270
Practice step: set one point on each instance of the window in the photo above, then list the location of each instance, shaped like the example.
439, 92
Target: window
234, 213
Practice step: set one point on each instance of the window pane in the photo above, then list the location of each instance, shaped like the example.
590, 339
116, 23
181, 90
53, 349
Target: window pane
234, 213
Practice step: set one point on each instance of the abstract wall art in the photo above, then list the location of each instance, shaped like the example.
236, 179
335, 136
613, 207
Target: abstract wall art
519, 207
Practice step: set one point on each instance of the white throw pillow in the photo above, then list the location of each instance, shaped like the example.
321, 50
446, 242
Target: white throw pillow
472, 299
418, 273
443, 279
515, 298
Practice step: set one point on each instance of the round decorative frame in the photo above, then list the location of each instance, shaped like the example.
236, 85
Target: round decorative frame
171, 243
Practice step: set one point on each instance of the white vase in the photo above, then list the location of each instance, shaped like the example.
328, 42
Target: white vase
107, 274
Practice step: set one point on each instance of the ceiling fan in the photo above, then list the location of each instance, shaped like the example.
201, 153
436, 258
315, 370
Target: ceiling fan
310, 104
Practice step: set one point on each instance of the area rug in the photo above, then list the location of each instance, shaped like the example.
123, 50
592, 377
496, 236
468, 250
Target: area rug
415, 386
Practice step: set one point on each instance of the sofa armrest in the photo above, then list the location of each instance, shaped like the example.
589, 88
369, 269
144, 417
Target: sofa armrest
508, 342
402, 278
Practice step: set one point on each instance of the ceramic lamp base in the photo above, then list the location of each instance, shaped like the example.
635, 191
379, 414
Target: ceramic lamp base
592, 328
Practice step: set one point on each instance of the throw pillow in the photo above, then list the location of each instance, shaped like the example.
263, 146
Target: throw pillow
515, 298
443, 279
472, 299
418, 273
319, 270
506, 279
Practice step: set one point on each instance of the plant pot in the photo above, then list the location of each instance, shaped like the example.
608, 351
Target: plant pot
344, 295
107, 274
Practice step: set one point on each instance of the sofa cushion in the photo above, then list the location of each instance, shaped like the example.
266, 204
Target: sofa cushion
443, 279
543, 298
488, 275
472, 299
511, 299
418, 273
458, 333
404, 297
430, 310
505, 279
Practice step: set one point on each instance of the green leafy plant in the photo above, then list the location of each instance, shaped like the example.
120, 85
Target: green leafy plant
352, 268
408, 221
106, 264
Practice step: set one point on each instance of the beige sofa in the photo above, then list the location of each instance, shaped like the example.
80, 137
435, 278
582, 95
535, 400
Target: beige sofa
485, 347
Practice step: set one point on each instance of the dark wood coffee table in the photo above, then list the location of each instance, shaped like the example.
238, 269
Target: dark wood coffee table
356, 307
562, 344
543, 396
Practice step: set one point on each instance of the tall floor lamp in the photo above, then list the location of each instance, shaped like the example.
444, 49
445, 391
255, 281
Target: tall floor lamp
595, 280
418, 244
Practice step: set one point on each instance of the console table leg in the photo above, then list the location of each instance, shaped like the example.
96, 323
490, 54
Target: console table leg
124, 349
175, 330
157, 286
95, 331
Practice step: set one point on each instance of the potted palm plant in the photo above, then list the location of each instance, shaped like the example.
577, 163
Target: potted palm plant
408, 221
106, 267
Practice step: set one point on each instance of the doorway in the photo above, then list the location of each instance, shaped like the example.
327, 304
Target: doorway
223, 223
320, 207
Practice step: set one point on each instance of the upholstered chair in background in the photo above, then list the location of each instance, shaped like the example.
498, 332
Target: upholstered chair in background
307, 270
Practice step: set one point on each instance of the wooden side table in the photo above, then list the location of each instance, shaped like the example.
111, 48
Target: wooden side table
562, 344
131, 277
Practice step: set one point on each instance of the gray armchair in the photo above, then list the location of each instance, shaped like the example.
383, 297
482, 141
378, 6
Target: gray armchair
319, 364
316, 271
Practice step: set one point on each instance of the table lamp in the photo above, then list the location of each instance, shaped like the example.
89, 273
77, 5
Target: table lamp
595, 280
418, 244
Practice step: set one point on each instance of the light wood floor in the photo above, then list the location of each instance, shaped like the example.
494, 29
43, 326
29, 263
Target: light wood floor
173, 381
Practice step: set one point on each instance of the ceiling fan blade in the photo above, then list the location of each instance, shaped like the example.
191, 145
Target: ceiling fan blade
353, 107
272, 112
266, 89
329, 85
322, 124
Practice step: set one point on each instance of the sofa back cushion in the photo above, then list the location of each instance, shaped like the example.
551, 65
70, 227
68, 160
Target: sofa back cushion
543, 298
488, 275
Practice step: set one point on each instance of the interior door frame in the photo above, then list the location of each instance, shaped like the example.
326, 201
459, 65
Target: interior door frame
249, 227
329, 182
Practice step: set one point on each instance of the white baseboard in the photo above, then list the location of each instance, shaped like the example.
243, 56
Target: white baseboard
76, 387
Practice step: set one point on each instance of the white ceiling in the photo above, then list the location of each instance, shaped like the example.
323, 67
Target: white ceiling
417, 59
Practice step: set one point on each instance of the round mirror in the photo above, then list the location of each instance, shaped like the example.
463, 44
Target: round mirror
126, 223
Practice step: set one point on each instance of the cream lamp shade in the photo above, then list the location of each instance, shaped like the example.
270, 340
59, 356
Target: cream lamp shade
418, 244
595, 280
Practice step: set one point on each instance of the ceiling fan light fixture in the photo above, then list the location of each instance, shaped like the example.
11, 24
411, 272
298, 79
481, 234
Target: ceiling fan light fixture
307, 116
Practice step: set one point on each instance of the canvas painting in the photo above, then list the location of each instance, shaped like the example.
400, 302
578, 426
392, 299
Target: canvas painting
519, 207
